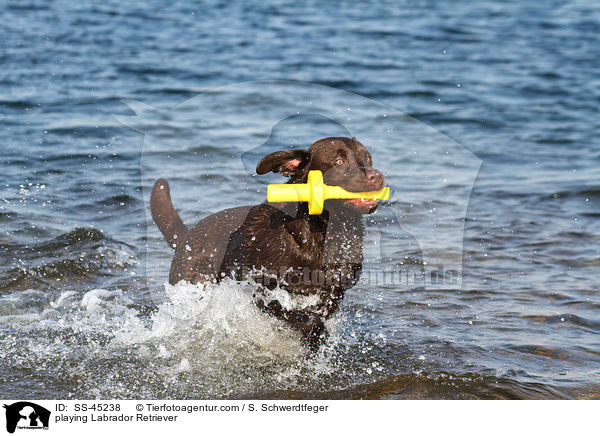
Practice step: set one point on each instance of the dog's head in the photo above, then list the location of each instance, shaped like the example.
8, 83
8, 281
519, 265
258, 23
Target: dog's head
344, 162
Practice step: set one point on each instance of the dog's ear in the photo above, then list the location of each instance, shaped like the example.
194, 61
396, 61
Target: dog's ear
288, 163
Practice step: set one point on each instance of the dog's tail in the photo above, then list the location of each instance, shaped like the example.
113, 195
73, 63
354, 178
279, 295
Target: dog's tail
164, 214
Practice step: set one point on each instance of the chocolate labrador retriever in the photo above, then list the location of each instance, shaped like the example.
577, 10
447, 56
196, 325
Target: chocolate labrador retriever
315, 257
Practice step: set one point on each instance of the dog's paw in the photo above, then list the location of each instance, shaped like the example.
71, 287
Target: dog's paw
314, 333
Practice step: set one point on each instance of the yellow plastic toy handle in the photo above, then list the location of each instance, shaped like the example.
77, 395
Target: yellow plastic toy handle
315, 192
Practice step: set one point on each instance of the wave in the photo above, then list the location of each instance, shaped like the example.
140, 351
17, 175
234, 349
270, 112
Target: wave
74, 256
443, 385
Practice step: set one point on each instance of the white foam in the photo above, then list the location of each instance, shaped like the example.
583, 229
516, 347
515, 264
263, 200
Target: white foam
215, 318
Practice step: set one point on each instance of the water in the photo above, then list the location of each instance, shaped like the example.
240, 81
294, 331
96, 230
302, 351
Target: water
84, 312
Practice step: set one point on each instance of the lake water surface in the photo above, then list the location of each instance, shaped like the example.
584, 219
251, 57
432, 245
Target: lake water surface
483, 117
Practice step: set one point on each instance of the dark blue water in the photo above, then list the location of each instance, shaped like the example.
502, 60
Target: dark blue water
483, 117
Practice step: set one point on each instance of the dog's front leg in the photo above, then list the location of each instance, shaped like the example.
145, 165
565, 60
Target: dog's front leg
310, 324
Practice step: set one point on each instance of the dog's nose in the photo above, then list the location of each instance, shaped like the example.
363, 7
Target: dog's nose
375, 178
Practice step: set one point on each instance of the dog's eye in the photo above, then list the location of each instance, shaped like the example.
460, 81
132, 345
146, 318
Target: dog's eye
339, 161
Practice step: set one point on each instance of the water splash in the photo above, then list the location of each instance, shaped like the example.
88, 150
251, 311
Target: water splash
203, 341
